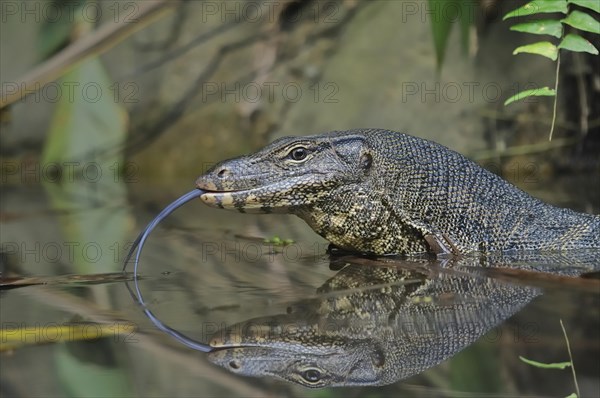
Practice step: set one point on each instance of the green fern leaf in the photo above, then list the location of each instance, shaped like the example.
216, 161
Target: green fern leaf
538, 7
573, 42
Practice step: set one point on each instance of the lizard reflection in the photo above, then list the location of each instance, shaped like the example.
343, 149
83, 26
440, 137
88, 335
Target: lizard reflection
374, 325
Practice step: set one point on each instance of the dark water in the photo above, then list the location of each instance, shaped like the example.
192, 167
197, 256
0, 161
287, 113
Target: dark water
421, 328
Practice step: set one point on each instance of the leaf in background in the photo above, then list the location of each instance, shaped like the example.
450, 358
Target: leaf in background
543, 48
467, 19
52, 37
591, 4
536, 92
443, 14
573, 42
538, 7
87, 118
55, 31
582, 21
441, 24
545, 27
86, 122
80, 376
559, 365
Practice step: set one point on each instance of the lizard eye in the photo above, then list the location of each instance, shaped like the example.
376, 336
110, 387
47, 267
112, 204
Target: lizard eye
298, 153
311, 375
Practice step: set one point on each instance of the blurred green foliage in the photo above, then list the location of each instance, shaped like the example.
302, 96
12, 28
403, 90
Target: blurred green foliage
55, 32
445, 14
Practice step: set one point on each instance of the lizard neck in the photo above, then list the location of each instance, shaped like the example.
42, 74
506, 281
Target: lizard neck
357, 218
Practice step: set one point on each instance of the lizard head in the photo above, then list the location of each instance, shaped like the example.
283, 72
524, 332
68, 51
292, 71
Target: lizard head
290, 173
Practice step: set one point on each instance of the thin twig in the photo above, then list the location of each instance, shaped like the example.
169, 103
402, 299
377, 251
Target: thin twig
555, 97
570, 358
99, 41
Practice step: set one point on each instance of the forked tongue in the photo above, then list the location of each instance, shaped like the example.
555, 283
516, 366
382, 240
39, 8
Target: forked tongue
139, 242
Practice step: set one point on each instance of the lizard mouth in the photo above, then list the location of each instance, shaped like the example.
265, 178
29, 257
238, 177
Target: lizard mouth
232, 199
250, 195
219, 196
251, 198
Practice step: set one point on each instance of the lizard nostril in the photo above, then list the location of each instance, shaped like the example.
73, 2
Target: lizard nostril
223, 173
234, 364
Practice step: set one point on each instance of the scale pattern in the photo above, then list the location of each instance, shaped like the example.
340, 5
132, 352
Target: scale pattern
378, 321
383, 192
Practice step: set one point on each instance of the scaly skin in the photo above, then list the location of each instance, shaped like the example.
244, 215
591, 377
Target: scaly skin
382, 192
372, 325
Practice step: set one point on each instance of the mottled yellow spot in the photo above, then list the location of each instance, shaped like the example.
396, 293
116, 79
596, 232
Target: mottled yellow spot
252, 199
227, 200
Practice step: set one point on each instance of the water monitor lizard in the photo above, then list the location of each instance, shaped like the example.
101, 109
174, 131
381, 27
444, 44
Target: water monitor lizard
383, 192
379, 192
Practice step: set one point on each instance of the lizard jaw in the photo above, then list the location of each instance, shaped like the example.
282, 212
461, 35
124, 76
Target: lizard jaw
244, 201
224, 197
232, 200
253, 198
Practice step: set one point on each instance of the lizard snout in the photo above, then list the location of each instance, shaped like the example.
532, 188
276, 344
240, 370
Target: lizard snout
220, 178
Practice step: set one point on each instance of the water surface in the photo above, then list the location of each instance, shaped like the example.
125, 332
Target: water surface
421, 328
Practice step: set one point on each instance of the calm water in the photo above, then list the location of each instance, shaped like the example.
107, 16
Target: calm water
422, 328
